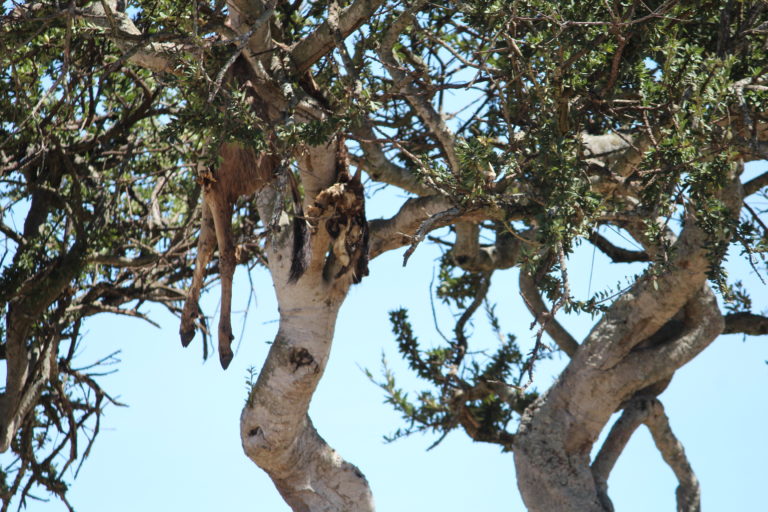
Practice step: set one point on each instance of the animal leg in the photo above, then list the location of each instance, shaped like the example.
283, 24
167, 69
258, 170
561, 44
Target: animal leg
221, 210
206, 243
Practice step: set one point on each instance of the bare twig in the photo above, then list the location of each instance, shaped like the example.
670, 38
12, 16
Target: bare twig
547, 320
427, 226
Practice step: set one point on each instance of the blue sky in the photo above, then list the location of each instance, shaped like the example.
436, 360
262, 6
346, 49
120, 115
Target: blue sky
177, 445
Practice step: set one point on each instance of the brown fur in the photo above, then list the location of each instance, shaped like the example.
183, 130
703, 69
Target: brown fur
241, 172
342, 208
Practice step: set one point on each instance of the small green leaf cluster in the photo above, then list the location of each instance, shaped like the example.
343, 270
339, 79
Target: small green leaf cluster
478, 396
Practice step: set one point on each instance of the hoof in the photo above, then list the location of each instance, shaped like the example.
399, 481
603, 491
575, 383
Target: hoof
186, 336
225, 359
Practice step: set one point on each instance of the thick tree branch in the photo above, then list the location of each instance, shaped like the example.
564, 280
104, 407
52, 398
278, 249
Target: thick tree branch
651, 413
276, 431
310, 49
628, 161
395, 232
746, 323
250, 17
157, 56
561, 426
755, 184
467, 243
703, 323
318, 171
29, 369
605, 148
381, 168
27, 374
649, 304
278, 435
400, 230
476, 258
749, 126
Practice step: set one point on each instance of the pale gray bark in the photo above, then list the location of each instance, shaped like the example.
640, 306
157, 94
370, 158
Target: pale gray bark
276, 432
310, 49
688, 492
557, 432
632, 417
648, 411
381, 168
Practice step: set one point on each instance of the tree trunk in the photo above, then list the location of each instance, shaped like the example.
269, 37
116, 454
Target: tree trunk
275, 429
276, 432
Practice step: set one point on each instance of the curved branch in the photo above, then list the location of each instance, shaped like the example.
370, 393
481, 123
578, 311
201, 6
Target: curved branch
641, 311
139, 50
395, 232
538, 309
275, 429
381, 168
400, 229
461, 339
703, 323
310, 49
688, 492
563, 424
651, 413
633, 416
278, 435
617, 254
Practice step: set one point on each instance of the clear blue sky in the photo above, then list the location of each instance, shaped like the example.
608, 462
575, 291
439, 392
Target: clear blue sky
177, 447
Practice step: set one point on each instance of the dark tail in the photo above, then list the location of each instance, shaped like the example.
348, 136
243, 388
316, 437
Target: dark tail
301, 235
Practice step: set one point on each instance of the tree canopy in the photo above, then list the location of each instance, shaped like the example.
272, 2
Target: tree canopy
517, 130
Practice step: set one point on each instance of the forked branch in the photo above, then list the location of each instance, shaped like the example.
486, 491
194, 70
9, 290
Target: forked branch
651, 413
688, 492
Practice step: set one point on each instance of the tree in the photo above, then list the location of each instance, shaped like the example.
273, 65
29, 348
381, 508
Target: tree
126, 126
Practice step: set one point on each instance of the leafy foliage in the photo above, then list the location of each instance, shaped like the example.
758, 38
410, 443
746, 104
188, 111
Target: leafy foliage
99, 159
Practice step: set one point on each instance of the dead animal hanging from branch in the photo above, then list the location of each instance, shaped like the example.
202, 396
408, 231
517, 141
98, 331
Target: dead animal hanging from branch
242, 172
341, 210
